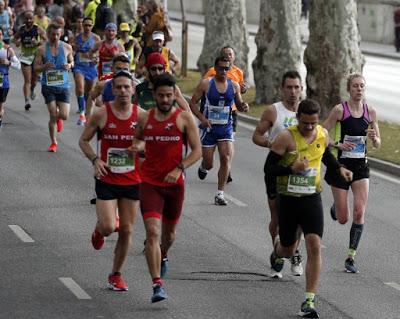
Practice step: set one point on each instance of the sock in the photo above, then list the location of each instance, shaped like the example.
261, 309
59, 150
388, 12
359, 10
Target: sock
26, 100
310, 295
157, 281
81, 103
116, 273
355, 236
220, 193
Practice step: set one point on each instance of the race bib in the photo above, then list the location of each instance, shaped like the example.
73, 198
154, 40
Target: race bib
26, 59
54, 77
304, 183
106, 67
120, 161
84, 58
1, 79
359, 149
218, 114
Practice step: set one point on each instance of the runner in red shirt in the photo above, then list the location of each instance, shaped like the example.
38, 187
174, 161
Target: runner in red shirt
117, 179
165, 130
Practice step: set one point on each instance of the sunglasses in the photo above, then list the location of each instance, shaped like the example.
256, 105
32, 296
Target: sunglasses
223, 68
155, 68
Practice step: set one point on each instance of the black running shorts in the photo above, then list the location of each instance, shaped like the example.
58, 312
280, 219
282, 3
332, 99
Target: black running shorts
359, 168
105, 191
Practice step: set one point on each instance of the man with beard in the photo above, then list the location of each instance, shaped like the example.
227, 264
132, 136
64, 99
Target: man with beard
164, 129
217, 95
29, 37
115, 170
294, 167
155, 65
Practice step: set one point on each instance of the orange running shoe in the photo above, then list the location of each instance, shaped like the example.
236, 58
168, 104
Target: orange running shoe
60, 125
81, 120
52, 148
97, 240
116, 282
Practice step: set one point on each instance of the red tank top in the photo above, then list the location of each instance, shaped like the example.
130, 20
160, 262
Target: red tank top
106, 54
164, 149
113, 140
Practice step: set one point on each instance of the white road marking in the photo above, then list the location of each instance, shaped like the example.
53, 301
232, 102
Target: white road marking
21, 234
386, 177
234, 200
74, 288
393, 285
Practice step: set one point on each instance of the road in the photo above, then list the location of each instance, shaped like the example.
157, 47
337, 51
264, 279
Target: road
219, 264
381, 74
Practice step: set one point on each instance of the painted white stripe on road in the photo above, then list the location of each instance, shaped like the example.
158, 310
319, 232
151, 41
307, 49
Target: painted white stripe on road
393, 285
234, 200
74, 288
386, 177
21, 234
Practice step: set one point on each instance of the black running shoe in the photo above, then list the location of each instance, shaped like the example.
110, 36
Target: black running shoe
276, 262
202, 173
229, 178
93, 201
219, 200
27, 106
333, 212
307, 309
350, 267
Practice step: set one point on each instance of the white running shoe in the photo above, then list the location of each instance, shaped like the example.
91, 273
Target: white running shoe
296, 265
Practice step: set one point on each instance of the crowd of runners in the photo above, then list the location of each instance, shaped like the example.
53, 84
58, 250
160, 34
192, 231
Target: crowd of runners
148, 134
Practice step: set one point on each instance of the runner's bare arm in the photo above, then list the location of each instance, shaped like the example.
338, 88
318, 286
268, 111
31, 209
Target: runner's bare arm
373, 132
242, 106
266, 121
196, 97
180, 100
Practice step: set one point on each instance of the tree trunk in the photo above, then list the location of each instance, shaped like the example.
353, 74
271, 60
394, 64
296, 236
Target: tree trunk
225, 24
125, 10
278, 47
333, 51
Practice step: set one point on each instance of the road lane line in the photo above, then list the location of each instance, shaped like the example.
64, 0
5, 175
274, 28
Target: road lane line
74, 288
386, 177
234, 200
393, 285
21, 234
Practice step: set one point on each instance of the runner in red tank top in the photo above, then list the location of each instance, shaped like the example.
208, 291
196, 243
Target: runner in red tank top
107, 49
165, 130
115, 169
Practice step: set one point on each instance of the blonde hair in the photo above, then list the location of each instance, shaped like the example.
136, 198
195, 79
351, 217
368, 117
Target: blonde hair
351, 77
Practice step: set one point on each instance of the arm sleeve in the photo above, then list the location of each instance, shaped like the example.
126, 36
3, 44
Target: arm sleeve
330, 160
15, 63
272, 166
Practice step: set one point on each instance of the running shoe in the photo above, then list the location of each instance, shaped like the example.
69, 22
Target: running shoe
229, 178
296, 264
27, 106
97, 240
60, 125
164, 267
117, 283
93, 201
349, 266
81, 120
276, 265
202, 173
52, 148
333, 212
33, 94
219, 200
307, 309
159, 293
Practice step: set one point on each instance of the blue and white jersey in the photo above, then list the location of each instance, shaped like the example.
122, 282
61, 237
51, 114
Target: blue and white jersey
107, 95
82, 49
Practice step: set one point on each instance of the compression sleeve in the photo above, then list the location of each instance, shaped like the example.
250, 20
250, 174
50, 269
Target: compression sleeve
273, 167
330, 160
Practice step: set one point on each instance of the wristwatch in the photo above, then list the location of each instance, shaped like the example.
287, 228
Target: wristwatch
181, 167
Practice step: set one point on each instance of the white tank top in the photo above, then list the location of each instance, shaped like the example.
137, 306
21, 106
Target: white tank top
284, 119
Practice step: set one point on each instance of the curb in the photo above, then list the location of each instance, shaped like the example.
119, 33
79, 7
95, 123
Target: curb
374, 163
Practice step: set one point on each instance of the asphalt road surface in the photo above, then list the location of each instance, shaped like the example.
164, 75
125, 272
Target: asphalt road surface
219, 265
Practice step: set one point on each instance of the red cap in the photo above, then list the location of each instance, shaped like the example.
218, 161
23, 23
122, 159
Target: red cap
155, 58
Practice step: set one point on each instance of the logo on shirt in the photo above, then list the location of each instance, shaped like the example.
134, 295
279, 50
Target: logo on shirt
289, 121
133, 125
169, 126
149, 127
112, 125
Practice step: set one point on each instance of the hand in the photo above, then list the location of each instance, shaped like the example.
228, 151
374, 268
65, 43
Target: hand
243, 88
67, 66
134, 148
205, 123
10, 32
346, 174
49, 65
371, 134
100, 168
347, 146
173, 176
34, 41
244, 107
300, 165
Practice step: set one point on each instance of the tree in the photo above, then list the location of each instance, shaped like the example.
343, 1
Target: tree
125, 10
278, 47
225, 24
333, 51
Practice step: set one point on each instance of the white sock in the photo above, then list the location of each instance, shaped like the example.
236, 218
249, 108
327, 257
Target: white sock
220, 193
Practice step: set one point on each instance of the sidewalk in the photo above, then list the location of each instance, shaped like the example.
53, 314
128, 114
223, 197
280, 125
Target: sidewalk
368, 48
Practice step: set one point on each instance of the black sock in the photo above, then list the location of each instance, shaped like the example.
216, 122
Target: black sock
355, 235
